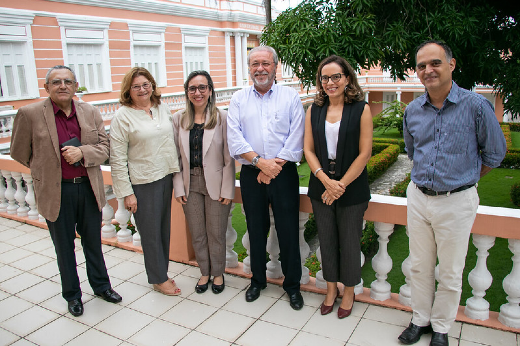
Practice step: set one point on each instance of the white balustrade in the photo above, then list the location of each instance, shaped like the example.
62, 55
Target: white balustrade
405, 292
108, 230
510, 312
20, 195
136, 238
480, 279
274, 267
246, 268
320, 281
3, 200
304, 247
122, 216
380, 289
30, 198
231, 237
9, 193
358, 289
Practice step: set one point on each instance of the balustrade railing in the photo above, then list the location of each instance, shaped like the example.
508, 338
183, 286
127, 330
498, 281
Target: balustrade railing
17, 198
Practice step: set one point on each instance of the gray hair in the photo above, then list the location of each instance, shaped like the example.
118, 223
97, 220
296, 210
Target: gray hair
264, 49
59, 67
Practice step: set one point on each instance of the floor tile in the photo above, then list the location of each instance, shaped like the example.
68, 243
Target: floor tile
3, 294
122, 254
56, 304
94, 337
177, 268
455, 330
264, 333
273, 291
237, 281
14, 255
126, 270
10, 233
7, 338
124, 323
252, 309
40, 292
216, 300
111, 261
20, 282
47, 270
388, 315
23, 342
487, 336
30, 228
97, 310
154, 303
49, 252
7, 272
186, 284
22, 240
469, 343
58, 332
189, 314
130, 291
4, 247
159, 333
194, 272
308, 339
40, 245
226, 325
309, 298
331, 326
28, 321
31, 262
139, 258
196, 338
281, 313
386, 334
140, 279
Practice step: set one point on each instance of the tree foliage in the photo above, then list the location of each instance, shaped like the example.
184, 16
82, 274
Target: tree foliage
483, 34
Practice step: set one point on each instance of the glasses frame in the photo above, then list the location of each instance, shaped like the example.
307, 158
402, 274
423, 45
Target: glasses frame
264, 64
60, 82
193, 89
336, 77
145, 86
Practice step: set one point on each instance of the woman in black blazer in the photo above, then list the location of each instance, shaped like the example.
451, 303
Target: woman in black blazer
337, 146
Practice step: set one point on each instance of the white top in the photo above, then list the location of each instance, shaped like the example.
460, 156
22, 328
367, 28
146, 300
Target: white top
332, 135
142, 149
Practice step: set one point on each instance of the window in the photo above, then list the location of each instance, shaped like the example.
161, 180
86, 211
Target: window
195, 50
388, 97
194, 59
287, 72
148, 49
13, 79
86, 60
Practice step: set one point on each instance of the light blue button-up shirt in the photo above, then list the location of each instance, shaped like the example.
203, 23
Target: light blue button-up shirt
271, 125
448, 146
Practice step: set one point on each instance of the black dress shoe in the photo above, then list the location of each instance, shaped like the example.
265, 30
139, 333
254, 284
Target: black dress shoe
296, 300
253, 292
75, 307
110, 296
413, 333
202, 288
439, 339
218, 288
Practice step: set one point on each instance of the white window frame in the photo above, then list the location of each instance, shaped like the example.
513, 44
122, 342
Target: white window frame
15, 27
150, 35
287, 72
196, 38
88, 31
388, 96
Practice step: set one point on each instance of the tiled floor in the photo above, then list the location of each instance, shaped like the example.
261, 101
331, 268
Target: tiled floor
32, 310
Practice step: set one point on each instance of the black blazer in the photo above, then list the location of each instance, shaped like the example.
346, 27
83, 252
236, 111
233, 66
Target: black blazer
347, 151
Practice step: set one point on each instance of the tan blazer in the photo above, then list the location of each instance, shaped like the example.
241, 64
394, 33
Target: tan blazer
219, 166
34, 143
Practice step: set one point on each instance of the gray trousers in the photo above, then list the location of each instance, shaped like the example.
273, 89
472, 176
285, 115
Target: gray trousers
339, 231
153, 218
207, 221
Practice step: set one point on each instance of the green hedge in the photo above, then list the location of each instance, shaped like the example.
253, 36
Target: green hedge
512, 158
380, 162
515, 194
399, 189
399, 142
515, 127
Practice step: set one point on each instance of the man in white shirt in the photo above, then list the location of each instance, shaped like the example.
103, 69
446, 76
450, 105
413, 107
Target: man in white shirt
265, 134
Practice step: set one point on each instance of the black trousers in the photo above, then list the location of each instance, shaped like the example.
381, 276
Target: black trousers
283, 195
79, 212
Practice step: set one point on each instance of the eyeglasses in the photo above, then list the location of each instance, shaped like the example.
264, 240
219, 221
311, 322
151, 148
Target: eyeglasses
59, 82
264, 64
145, 86
335, 78
202, 88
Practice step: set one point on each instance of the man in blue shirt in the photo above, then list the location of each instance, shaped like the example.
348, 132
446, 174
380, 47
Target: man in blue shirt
265, 134
453, 137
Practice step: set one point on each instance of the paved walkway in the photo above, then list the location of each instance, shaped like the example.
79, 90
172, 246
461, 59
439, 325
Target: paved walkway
395, 174
32, 310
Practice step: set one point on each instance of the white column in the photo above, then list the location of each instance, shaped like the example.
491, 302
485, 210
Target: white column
320, 281
122, 216
480, 279
366, 96
510, 312
274, 267
229, 70
238, 58
380, 289
20, 195
358, 289
30, 198
244, 59
9, 193
231, 237
304, 248
245, 242
108, 230
398, 93
136, 238
3, 200
405, 292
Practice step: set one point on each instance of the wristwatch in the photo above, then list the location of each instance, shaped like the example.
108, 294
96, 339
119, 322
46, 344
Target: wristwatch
255, 160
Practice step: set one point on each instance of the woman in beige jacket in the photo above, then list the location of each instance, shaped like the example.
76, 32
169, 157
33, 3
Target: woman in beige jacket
205, 185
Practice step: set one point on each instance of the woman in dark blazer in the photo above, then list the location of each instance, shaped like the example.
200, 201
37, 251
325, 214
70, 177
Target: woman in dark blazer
205, 185
337, 146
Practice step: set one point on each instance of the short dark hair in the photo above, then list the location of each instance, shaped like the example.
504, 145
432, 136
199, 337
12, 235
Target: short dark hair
447, 49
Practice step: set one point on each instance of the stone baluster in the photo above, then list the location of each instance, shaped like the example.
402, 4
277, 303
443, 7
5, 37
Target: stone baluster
136, 238
9, 125
122, 216
304, 248
3, 128
231, 237
510, 312
274, 267
3, 200
9, 193
358, 289
245, 242
480, 279
19, 195
108, 230
380, 289
30, 198
320, 281
405, 292
41, 218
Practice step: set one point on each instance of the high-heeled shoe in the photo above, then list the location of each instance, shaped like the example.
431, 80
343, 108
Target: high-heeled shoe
202, 288
327, 309
218, 288
342, 313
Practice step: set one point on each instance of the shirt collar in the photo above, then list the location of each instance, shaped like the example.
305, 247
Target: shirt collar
57, 109
452, 97
269, 92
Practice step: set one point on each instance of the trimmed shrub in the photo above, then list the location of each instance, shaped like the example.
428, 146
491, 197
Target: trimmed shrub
369, 243
399, 142
399, 189
379, 163
515, 194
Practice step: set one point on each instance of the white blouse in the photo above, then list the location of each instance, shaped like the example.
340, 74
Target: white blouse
332, 134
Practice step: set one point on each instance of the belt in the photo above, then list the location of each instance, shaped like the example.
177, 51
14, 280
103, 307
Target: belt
77, 180
431, 192
196, 171
332, 167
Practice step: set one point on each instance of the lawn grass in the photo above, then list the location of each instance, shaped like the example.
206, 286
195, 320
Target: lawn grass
391, 133
515, 137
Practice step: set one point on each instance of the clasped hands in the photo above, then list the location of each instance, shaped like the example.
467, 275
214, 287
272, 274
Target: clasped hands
334, 189
269, 169
184, 200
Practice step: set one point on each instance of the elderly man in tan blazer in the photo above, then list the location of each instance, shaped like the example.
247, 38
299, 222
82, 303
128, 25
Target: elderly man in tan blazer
63, 142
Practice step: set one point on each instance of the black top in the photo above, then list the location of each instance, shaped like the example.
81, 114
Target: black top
347, 151
196, 134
